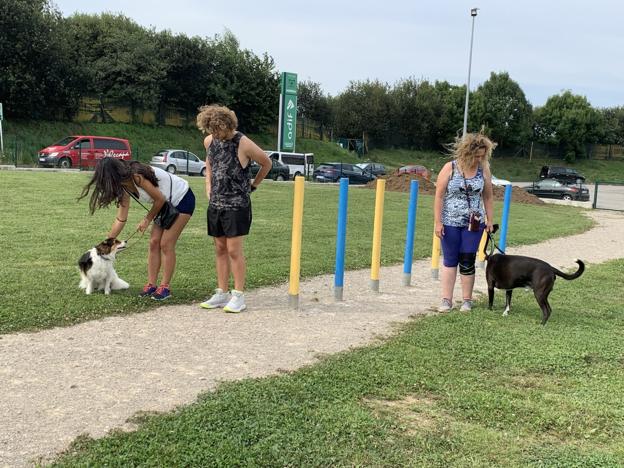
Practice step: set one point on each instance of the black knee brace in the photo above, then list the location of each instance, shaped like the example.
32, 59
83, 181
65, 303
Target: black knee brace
467, 263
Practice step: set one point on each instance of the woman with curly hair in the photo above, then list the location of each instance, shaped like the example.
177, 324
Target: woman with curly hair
116, 181
228, 188
463, 207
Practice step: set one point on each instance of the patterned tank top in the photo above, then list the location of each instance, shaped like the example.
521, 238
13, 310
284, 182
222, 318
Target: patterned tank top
229, 184
456, 208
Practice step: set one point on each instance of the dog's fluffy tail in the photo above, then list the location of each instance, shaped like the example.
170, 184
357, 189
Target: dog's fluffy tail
574, 275
118, 283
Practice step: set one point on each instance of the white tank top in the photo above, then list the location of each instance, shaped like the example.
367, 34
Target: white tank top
167, 184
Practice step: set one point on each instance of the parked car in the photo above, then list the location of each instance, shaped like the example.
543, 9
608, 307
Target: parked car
499, 182
177, 160
422, 171
83, 151
375, 169
278, 171
562, 174
552, 188
333, 171
299, 164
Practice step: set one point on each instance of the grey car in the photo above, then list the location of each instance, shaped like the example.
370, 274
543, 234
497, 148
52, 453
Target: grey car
552, 188
177, 160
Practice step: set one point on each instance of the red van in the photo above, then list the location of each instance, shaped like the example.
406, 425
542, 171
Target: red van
83, 151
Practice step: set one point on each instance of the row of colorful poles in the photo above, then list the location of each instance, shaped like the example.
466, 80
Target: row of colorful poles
341, 235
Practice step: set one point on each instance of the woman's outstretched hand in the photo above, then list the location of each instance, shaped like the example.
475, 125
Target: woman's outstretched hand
143, 225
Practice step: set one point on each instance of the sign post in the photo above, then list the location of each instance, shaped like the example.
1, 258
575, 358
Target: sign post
1, 136
287, 128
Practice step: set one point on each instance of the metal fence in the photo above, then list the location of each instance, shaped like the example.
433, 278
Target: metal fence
609, 196
17, 153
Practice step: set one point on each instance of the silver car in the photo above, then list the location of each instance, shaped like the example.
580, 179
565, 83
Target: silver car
176, 160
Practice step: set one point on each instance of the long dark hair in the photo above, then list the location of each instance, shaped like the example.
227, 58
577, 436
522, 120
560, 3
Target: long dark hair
108, 179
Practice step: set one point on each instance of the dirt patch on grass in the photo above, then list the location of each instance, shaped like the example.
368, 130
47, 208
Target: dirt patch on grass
413, 413
402, 182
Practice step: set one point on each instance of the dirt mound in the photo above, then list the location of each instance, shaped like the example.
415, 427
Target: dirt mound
401, 183
518, 195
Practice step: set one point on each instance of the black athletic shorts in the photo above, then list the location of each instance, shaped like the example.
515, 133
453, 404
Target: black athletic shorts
229, 222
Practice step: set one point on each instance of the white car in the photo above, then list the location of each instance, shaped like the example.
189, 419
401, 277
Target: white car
499, 182
176, 160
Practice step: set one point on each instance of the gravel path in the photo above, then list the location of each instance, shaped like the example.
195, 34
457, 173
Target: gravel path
90, 378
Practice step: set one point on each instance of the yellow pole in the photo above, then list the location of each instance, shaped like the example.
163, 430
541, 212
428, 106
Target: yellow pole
435, 256
480, 253
295, 244
376, 260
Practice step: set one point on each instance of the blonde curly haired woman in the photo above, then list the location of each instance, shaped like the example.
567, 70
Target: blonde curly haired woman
462, 210
228, 188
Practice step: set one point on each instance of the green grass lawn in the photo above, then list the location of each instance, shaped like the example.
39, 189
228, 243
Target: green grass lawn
459, 389
45, 230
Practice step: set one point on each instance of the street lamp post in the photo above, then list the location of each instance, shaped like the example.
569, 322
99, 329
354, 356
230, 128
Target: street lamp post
473, 13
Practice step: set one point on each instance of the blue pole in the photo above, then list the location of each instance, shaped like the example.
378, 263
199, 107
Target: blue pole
341, 235
409, 238
505, 220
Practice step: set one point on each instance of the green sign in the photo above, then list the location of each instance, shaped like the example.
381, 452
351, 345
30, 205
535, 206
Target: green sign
289, 111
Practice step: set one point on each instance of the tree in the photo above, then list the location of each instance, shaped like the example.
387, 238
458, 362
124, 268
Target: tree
365, 107
613, 126
419, 110
312, 103
241, 80
38, 78
569, 122
123, 59
500, 105
187, 64
451, 121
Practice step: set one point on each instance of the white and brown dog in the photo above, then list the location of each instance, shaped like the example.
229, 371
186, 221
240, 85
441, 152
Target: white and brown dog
97, 269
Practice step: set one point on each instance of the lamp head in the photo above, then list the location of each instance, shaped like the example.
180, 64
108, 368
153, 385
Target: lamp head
473, 11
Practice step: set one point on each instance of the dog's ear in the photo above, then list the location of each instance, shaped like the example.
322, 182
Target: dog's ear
109, 241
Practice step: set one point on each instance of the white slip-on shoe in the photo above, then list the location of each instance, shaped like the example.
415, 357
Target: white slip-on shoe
218, 299
237, 302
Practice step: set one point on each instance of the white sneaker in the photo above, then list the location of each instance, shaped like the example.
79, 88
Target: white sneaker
466, 306
445, 305
218, 299
237, 302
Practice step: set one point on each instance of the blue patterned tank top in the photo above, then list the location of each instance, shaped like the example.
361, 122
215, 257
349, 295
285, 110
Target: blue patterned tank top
229, 184
455, 209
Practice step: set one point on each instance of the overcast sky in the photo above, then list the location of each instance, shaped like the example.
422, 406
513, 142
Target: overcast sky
545, 46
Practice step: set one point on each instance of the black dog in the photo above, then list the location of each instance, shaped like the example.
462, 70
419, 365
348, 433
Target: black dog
516, 271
